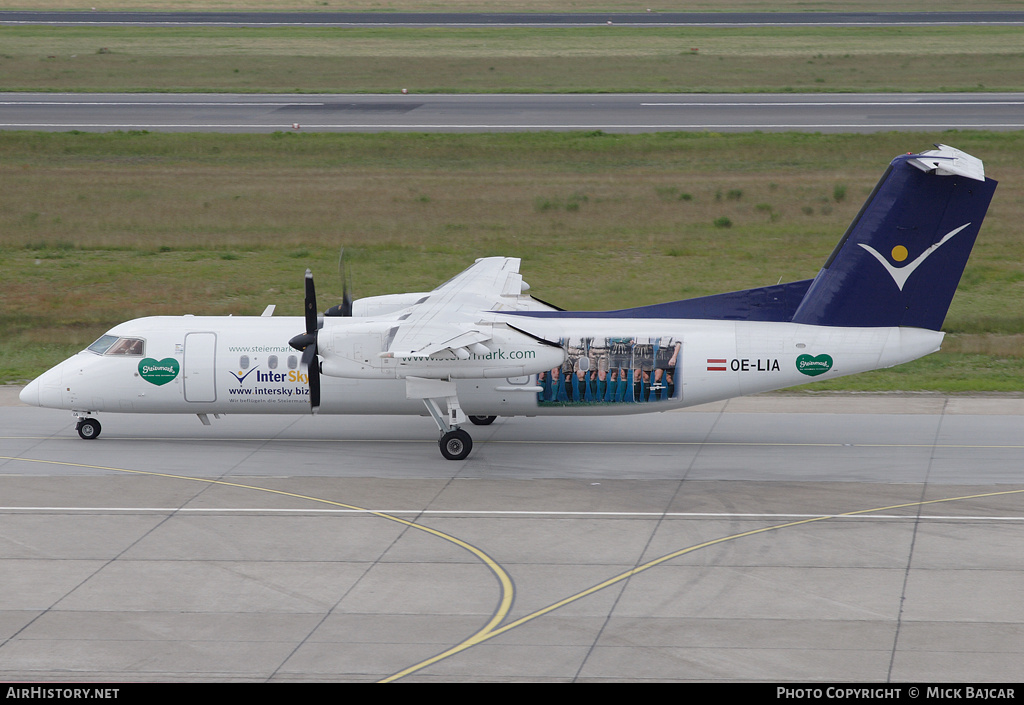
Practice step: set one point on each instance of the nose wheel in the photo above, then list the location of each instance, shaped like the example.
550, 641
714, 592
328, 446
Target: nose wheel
455, 444
88, 428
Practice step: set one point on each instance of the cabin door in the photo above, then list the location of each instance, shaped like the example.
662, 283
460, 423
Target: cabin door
200, 358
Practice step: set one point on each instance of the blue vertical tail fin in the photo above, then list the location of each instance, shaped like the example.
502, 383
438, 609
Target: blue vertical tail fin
901, 259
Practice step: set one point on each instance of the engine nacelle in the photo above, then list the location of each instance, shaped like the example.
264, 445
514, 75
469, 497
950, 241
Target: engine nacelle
359, 351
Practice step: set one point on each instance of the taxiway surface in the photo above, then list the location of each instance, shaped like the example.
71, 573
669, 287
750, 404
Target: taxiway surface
767, 539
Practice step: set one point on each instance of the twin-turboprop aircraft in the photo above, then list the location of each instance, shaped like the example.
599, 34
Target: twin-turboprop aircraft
478, 346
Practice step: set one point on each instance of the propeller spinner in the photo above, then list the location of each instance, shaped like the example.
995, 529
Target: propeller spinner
306, 342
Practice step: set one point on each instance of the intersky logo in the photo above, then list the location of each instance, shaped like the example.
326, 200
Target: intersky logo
242, 377
899, 253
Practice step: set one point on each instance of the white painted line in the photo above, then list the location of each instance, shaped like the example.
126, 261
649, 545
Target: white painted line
158, 103
476, 25
839, 103
499, 512
623, 442
527, 126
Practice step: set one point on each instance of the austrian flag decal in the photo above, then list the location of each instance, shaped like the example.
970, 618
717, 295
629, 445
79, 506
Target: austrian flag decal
717, 364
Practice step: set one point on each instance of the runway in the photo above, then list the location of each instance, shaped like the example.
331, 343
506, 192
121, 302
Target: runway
626, 113
791, 539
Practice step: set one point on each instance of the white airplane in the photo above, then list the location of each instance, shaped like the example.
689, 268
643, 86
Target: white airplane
479, 346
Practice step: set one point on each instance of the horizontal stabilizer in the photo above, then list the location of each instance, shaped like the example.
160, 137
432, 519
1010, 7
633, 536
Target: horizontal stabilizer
946, 161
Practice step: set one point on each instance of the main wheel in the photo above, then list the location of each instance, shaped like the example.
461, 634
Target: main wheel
88, 429
455, 445
482, 420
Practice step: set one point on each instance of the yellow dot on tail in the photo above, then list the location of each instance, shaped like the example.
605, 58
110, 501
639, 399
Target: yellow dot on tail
899, 253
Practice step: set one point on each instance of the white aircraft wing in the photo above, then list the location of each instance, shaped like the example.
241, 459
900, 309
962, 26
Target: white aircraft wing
448, 318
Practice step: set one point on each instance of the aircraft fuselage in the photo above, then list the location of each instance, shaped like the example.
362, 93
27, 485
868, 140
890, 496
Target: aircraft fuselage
244, 365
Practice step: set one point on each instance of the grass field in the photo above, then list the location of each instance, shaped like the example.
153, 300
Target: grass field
524, 60
99, 228
96, 229
519, 5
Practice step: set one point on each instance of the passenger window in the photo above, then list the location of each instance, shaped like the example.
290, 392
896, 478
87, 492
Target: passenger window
272, 362
293, 362
243, 362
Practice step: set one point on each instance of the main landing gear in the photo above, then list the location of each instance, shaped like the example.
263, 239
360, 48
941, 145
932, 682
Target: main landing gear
88, 428
455, 444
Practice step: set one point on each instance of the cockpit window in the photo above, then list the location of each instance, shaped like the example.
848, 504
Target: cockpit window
103, 344
112, 345
127, 346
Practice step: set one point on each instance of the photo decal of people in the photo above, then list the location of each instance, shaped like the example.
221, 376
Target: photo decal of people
623, 370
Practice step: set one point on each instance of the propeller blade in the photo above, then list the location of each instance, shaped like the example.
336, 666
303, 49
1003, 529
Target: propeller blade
345, 307
306, 342
346, 292
312, 365
310, 312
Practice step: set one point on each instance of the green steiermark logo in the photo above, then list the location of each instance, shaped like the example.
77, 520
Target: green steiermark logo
814, 366
159, 372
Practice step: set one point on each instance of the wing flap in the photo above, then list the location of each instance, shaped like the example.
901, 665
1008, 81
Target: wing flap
463, 341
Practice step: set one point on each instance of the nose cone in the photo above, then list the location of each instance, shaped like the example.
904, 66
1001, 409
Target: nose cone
45, 390
30, 394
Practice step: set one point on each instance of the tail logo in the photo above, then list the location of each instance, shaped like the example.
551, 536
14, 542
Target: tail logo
900, 275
